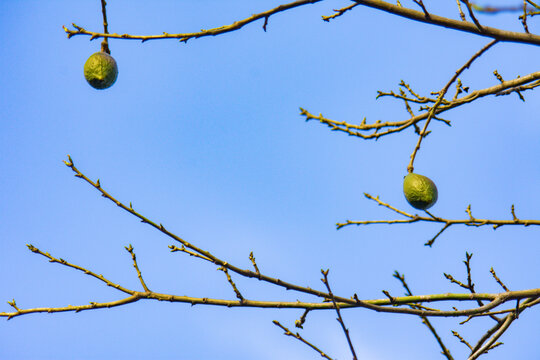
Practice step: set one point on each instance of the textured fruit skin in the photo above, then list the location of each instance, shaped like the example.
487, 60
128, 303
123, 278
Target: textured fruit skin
420, 191
100, 70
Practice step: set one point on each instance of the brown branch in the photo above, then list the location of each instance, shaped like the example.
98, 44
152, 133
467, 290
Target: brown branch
461, 14
471, 14
136, 266
461, 339
190, 253
299, 337
61, 261
380, 129
338, 311
421, 4
520, 308
252, 258
474, 28
193, 248
380, 305
471, 221
184, 37
233, 285
497, 34
498, 280
488, 345
433, 109
339, 12
300, 322
470, 285
425, 320
105, 42
524, 17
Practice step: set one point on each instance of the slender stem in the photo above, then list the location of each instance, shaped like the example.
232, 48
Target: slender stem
425, 320
432, 111
299, 337
105, 42
136, 266
340, 318
505, 325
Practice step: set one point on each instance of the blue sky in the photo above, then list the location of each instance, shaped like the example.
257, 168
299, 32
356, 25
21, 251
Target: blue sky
206, 138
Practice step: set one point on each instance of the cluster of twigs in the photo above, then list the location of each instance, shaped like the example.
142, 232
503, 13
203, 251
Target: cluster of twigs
498, 306
379, 129
408, 304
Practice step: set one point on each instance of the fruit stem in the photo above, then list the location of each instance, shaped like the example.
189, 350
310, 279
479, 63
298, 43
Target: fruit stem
105, 42
105, 47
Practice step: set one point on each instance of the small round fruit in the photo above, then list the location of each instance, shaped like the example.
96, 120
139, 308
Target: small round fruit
100, 70
420, 191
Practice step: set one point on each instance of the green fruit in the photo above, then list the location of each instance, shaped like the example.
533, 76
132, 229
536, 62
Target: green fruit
420, 191
100, 70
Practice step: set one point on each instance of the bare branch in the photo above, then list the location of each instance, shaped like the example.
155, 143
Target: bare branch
433, 109
461, 339
300, 322
184, 37
425, 320
498, 280
474, 28
105, 42
471, 221
139, 275
380, 305
233, 285
497, 34
299, 337
379, 129
339, 318
339, 12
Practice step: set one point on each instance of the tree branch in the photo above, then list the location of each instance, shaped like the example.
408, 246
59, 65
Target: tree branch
380, 129
184, 37
498, 34
471, 221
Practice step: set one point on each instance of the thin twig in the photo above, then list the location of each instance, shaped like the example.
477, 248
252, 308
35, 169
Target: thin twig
339, 12
252, 258
421, 4
432, 111
524, 17
340, 318
471, 14
300, 322
498, 280
105, 42
299, 337
461, 14
425, 320
233, 285
471, 221
184, 37
505, 325
136, 266
461, 339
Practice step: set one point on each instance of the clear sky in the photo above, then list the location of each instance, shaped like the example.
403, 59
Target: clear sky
206, 138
